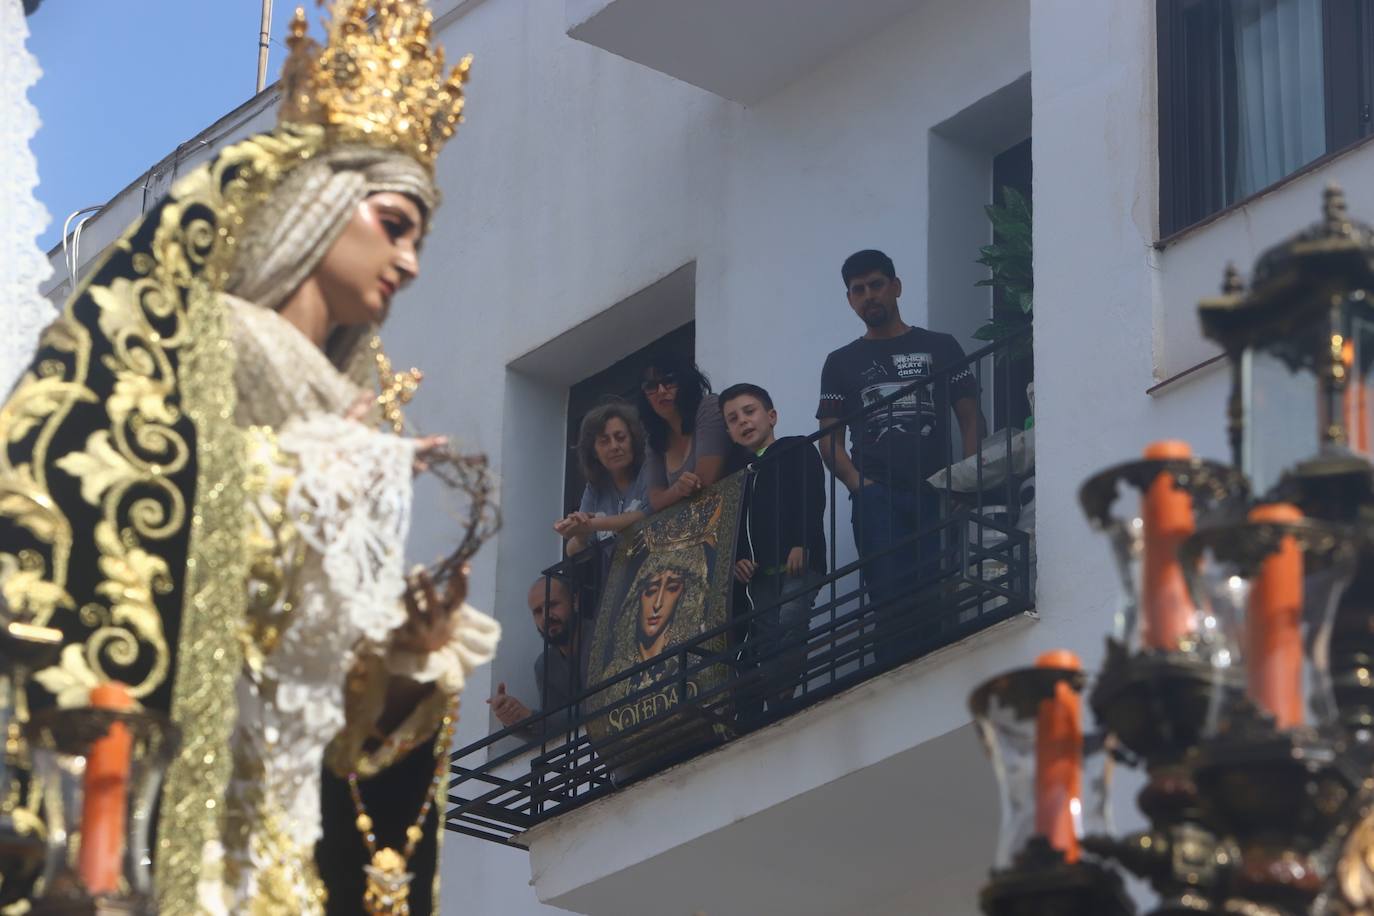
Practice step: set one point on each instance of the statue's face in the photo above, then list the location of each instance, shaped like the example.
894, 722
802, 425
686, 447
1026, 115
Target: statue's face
658, 600
376, 255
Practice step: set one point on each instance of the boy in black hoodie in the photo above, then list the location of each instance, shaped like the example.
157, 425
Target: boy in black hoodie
782, 550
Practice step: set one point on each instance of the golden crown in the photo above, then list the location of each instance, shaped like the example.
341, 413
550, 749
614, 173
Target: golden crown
693, 524
377, 83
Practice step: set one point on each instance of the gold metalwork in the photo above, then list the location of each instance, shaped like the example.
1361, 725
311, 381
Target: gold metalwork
272, 545
397, 388
352, 750
377, 81
388, 880
388, 884
1355, 868
287, 881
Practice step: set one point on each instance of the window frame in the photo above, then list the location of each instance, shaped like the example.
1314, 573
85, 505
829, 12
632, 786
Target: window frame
1193, 133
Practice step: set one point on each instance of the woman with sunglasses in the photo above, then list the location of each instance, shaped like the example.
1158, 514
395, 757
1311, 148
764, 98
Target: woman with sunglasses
688, 446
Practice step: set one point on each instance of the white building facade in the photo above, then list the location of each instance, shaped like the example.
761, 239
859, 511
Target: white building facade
629, 166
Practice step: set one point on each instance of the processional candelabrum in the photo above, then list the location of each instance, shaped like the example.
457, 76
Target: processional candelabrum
77, 788
1240, 674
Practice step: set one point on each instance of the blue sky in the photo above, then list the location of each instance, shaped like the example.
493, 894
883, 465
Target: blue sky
125, 81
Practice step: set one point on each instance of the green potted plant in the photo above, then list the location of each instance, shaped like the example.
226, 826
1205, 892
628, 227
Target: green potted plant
1011, 275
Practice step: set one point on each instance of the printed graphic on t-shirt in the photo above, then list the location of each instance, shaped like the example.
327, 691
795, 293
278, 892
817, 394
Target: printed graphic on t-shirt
913, 412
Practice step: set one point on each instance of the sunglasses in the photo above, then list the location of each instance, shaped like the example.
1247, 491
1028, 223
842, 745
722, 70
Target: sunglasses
667, 382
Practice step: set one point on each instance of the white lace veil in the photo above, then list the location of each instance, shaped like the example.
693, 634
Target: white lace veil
23, 266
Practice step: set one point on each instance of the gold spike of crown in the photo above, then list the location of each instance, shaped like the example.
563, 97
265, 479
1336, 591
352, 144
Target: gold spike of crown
380, 83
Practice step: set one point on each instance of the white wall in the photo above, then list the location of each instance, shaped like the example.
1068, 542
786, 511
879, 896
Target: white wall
581, 179
840, 161
834, 163
1115, 315
578, 180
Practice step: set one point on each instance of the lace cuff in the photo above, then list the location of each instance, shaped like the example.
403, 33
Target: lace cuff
473, 644
350, 502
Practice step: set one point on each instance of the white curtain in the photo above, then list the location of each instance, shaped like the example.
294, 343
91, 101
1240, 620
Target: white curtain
1279, 90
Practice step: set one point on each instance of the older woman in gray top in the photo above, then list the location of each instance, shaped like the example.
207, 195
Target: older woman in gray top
688, 444
610, 451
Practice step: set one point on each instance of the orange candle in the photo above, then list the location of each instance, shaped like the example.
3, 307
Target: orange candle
105, 796
1354, 402
1059, 759
1167, 608
1273, 657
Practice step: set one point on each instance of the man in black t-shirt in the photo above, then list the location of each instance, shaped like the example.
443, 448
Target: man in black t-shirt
896, 446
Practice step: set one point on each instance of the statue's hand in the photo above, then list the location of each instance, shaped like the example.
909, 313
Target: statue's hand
431, 617
362, 405
427, 448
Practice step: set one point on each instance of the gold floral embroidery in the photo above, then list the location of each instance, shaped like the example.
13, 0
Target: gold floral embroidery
272, 545
164, 358
71, 679
132, 575
34, 399
24, 501
26, 588
209, 653
99, 468
286, 880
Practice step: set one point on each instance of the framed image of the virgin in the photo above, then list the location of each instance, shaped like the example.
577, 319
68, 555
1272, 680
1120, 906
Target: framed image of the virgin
670, 581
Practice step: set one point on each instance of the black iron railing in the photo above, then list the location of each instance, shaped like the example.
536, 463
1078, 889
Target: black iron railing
974, 568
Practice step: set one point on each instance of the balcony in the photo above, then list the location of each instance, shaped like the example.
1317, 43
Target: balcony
742, 50
747, 751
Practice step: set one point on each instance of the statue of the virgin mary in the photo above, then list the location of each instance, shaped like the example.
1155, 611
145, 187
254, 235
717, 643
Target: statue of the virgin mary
195, 490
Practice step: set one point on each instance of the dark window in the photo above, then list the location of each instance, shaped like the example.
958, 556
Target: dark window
1250, 91
619, 380
1011, 168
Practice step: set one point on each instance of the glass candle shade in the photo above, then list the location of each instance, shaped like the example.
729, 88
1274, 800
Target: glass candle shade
1354, 406
1147, 508
100, 771
1052, 777
1301, 346
1280, 405
1273, 582
1307, 395
24, 648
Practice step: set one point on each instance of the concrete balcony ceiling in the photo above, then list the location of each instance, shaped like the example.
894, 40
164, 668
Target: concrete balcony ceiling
743, 50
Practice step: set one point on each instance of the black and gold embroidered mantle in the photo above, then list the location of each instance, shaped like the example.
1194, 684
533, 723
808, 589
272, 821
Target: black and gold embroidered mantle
121, 475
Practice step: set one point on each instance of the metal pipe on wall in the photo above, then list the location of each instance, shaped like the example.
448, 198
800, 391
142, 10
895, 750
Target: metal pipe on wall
264, 34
